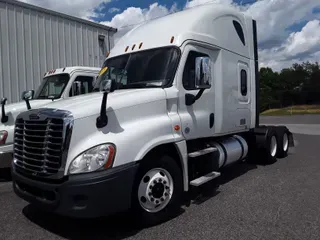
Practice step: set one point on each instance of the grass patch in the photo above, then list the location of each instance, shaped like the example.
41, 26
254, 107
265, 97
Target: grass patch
294, 110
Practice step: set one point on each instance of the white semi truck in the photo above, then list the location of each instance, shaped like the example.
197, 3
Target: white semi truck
56, 85
178, 101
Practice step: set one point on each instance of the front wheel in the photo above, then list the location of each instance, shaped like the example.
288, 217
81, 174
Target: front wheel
157, 190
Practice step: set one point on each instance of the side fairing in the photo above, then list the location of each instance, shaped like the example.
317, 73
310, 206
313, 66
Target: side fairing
134, 130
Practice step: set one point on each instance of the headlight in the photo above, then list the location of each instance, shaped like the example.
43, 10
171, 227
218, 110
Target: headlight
94, 159
3, 137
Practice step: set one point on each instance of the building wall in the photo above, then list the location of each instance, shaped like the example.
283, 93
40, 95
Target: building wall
35, 40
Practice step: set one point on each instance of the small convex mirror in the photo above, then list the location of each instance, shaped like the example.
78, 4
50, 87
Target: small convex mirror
203, 73
107, 85
27, 95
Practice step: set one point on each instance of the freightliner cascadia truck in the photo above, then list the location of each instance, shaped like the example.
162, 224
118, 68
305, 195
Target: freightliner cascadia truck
175, 101
56, 84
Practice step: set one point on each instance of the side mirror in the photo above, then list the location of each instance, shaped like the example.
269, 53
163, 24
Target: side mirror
202, 79
107, 85
76, 88
4, 117
27, 95
203, 73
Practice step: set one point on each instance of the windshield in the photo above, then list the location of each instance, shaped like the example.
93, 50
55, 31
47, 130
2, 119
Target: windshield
151, 68
52, 87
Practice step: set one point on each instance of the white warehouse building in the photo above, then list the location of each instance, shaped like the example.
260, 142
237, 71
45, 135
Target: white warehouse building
34, 40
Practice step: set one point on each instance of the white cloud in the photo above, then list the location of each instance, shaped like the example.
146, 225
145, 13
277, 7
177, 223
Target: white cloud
113, 10
316, 56
298, 47
79, 8
132, 16
274, 17
306, 40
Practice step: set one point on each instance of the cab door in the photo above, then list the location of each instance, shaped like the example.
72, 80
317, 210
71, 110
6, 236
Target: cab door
196, 92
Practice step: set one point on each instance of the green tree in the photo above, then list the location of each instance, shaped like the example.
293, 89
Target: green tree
298, 84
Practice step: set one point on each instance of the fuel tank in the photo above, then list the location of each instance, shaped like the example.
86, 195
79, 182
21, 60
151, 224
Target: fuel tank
230, 150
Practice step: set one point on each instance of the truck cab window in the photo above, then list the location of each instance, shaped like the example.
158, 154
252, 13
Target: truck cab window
146, 69
52, 87
86, 85
243, 80
190, 70
239, 30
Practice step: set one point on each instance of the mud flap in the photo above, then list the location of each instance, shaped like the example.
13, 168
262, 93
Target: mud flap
290, 136
291, 140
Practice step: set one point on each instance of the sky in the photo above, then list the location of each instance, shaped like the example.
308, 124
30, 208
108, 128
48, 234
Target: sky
288, 30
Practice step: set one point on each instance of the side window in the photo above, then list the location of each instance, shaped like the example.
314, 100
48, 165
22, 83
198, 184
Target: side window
244, 82
239, 30
197, 71
82, 85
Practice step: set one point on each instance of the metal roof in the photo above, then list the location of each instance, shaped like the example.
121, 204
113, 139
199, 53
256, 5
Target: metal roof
44, 10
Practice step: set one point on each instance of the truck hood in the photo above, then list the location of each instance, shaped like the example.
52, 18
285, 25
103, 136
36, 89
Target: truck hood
12, 110
89, 104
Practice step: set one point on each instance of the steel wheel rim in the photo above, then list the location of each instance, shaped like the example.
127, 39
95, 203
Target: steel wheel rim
273, 146
155, 190
285, 142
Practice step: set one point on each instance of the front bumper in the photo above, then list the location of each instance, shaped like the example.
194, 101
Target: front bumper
6, 156
82, 196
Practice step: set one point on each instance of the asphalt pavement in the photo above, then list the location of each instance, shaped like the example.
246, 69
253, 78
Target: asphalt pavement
277, 201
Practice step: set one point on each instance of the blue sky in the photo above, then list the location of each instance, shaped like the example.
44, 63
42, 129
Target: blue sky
121, 5
110, 9
288, 30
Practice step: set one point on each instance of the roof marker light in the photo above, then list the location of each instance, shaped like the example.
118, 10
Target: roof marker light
127, 48
140, 45
133, 46
172, 39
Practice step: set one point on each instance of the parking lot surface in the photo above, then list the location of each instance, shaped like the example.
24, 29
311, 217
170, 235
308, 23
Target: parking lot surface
278, 201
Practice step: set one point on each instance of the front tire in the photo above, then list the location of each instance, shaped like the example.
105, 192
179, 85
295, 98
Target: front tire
157, 191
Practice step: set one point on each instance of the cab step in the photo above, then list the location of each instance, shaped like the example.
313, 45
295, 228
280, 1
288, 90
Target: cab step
202, 152
206, 178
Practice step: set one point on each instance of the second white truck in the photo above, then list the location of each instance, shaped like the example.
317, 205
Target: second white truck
56, 85
178, 101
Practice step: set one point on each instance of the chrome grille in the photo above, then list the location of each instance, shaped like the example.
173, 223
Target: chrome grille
38, 146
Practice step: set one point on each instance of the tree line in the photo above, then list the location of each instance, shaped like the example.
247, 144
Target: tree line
296, 85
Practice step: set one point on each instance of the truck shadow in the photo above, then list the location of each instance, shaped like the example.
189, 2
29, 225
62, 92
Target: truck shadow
5, 175
209, 190
122, 225
118, 226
